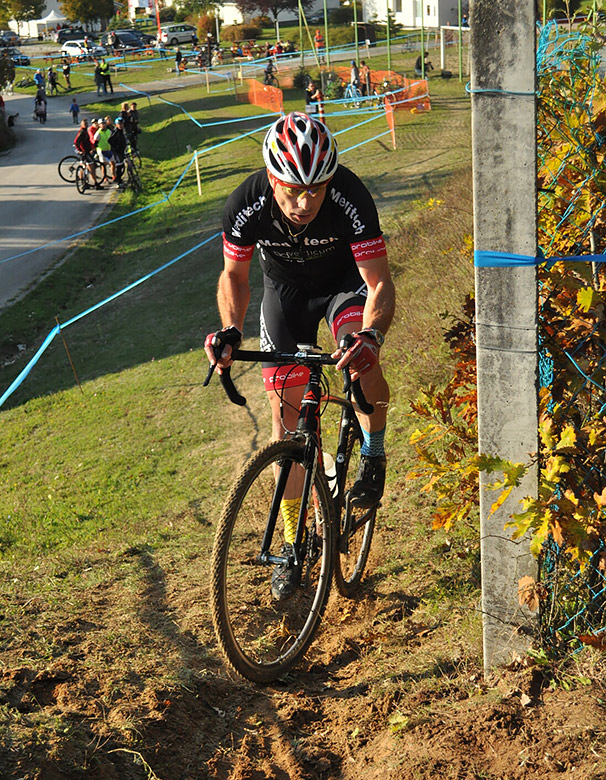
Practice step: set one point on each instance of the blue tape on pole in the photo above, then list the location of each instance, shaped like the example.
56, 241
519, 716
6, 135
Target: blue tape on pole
489, 259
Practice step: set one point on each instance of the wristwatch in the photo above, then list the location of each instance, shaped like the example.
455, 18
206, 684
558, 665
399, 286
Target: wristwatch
374, 334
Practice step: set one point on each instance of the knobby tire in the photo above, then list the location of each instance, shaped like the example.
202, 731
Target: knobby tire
81, 179
67, 168
261, 637
352, 553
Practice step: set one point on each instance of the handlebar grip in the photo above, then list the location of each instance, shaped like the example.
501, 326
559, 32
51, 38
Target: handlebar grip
230, 389
365, 407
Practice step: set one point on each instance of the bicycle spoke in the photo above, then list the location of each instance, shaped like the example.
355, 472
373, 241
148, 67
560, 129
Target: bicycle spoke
261, 636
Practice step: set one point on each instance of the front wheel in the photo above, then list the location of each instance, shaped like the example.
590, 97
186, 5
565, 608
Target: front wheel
81, 179
260, 636
356, 526
67, 168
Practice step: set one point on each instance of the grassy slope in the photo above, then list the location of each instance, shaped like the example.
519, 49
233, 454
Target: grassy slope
110, 493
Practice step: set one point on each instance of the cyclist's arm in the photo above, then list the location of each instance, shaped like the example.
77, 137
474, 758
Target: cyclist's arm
233, 292
380, 303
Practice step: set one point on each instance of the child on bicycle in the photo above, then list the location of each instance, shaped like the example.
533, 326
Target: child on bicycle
323, 256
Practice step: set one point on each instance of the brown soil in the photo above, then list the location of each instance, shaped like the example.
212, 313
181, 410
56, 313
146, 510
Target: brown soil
384, 693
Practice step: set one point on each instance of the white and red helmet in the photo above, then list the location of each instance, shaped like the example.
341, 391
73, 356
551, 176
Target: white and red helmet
300, 150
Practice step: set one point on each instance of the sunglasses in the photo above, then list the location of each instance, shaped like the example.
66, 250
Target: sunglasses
300, 192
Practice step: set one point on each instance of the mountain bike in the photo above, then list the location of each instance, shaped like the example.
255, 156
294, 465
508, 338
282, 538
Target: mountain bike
352, 96
68, 165
83, 178
132, 177
262, 637
270, 80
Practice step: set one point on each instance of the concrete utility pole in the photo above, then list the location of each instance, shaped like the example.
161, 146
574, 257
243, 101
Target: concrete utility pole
503, 73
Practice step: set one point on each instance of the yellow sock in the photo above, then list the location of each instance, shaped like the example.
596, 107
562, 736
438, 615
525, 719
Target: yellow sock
290, 513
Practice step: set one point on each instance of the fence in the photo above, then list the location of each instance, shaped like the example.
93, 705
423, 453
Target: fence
572, 239
261, 95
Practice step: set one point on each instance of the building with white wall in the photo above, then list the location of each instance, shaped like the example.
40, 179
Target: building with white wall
416, 13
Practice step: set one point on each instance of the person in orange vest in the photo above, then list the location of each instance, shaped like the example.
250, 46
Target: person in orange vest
319, 41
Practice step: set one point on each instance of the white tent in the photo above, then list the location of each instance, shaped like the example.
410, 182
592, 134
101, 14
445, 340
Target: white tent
53, 18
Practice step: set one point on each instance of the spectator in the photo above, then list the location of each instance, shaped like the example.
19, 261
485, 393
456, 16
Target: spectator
104, 150
160, 49
117, 142
106, 76
319, 44
194, 38
74, 110
134, 123
99, 79
365, 86
423, 65
85, 147
52, 81
312, 95
67, 73
178, 61
39, 79
354, 74
95, 124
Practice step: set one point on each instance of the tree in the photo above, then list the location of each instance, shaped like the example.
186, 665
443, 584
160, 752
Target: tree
87, 11
25, 10
273, 7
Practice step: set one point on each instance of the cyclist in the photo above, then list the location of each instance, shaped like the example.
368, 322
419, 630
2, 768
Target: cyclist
85, 148
323, 255
269, 71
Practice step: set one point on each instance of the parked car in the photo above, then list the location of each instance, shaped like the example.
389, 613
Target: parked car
125, 39
174, 34
69, 34
146, 38
17, 57
79, 50
9, 38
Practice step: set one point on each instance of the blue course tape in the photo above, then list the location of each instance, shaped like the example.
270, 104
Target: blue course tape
489, 259
47, 341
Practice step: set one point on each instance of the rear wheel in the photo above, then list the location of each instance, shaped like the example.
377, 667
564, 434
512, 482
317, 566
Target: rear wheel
133, 179
67, 168
260, 636
81, 179
356, 526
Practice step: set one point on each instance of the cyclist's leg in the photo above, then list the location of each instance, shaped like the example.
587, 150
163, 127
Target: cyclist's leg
346, 316
288, 318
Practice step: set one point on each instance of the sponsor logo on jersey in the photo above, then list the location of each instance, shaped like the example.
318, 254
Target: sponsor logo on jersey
285, 376
369, 250
246, 213
350, 210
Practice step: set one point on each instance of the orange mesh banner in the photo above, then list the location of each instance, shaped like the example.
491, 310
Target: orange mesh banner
391, 121
406, 93
263, 96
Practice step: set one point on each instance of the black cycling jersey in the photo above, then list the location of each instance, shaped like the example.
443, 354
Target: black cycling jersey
319, 255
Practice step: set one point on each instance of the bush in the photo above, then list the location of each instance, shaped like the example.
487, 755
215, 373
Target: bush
342, 15
262, 21
205, 24
167, 15
341, 35
301, 78
240, 32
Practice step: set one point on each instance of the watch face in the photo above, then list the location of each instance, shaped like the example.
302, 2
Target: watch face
378, 336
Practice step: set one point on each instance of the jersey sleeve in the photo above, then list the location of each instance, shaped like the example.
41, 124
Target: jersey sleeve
240, 215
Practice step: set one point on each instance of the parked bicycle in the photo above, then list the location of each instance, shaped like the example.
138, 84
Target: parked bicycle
82, 175
262, 637
352, 96
132, 177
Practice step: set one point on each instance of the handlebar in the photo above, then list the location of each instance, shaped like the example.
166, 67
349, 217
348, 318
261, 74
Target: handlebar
303, 357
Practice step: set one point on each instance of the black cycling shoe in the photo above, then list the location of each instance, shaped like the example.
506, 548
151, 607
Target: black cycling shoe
368, 487
285, 577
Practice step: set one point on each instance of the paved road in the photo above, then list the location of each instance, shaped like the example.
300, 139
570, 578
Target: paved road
37, 206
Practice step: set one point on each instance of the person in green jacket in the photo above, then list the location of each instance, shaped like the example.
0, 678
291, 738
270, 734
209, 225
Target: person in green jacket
104, 150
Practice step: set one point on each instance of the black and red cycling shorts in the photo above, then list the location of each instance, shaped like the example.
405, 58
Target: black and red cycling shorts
291, 316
